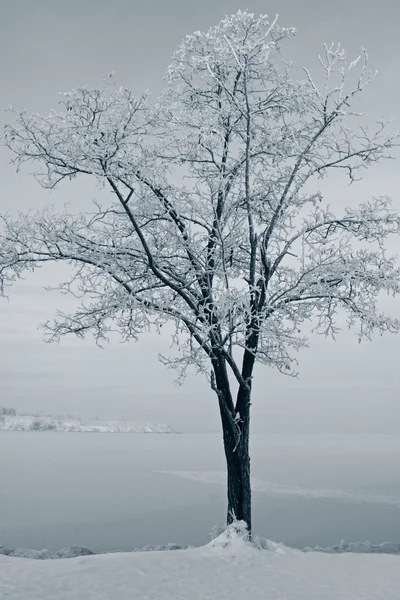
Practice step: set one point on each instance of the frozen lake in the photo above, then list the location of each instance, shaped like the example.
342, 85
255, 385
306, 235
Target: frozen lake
122, 491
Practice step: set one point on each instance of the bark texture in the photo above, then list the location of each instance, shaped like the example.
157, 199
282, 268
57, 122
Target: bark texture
235, 421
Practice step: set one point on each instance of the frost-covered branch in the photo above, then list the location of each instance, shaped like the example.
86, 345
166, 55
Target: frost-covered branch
211, 223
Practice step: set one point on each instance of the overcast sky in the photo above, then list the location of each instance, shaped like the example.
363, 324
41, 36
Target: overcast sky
51, 46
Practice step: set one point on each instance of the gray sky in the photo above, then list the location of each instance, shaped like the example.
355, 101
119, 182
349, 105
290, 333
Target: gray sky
50, 46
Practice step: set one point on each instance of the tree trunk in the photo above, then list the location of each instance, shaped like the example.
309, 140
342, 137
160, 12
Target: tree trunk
239, 488
236, 446
235, 421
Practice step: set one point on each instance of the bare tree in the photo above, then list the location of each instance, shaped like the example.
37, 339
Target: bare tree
213, 223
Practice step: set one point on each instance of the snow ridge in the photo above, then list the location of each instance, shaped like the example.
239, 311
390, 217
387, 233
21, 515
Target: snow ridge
234, 539
358, 548
71, 552
75, 551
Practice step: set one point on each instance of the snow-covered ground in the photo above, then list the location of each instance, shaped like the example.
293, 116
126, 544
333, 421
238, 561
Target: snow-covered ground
226, 568
75, 424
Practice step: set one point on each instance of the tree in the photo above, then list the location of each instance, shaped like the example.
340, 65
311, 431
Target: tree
7, 412
212, 222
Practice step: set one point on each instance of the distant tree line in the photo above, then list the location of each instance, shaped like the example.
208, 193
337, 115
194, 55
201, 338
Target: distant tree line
9, 412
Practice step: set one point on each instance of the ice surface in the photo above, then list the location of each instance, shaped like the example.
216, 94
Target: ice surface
258, 485
55, 423
114, 492
228, 567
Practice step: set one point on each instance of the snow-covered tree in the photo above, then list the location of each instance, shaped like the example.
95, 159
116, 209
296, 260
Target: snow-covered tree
213, 222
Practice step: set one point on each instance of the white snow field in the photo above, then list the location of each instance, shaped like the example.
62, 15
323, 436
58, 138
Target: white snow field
76, 425
227, 568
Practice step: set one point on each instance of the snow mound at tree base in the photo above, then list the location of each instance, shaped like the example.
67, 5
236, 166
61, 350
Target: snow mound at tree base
228, 567
234, 540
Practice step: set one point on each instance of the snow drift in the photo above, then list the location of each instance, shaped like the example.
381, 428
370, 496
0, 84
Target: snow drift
228, 567
75, 424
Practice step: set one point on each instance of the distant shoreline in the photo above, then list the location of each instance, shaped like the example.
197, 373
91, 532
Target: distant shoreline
77, 425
